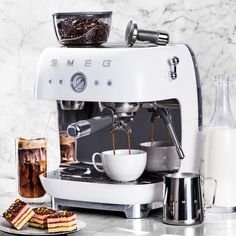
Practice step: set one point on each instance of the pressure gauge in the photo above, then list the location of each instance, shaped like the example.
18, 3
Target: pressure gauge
78, 82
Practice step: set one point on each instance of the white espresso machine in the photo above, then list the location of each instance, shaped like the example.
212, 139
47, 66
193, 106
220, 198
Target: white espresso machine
123, 83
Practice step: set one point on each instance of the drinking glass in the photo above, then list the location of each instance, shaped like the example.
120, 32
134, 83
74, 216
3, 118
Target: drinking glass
31, 161
67, 148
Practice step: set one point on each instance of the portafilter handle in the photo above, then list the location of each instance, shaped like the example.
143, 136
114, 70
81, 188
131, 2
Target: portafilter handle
133, 33
86, 127
166, 117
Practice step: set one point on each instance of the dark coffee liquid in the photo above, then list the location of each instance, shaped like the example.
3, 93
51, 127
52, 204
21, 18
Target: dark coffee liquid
129, 141
32, 163
113, 142
169, 139
113, 135
153, 126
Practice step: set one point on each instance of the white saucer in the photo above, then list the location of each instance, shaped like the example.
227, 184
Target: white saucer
26, 230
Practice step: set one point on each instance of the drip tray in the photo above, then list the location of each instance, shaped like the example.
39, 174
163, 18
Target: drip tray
86, 173
81, 182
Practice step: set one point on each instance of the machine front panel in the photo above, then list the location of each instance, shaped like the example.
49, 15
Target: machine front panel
104, 74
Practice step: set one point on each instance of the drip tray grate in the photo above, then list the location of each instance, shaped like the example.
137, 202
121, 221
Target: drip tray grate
106, 180
88, 174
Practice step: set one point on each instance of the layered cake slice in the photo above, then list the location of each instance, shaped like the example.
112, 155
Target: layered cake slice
62, 221
39, 220
18, 214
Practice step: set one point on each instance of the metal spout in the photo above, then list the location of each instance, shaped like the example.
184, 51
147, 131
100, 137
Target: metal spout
122, 125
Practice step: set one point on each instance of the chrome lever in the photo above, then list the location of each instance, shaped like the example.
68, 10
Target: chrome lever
173, 62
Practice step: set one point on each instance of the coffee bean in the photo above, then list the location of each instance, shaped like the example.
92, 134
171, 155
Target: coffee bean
83, 31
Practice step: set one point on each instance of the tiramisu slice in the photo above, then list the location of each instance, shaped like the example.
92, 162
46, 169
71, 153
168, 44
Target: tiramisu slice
62, 221
18, 214
39, 220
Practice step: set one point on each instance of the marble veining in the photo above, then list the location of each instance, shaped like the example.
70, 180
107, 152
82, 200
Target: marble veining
208, 26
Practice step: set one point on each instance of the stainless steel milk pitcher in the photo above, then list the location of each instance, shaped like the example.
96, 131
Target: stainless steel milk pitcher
183, 199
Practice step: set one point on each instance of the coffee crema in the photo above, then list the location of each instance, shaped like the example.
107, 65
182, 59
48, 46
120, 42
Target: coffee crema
27, 143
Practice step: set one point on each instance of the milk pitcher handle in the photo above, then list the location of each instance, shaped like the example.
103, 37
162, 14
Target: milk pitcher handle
203, 182
94, 161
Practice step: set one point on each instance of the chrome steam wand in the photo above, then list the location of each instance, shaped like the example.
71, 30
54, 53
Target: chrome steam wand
165, 115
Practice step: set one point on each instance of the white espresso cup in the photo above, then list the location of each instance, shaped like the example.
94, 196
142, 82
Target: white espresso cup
121, 166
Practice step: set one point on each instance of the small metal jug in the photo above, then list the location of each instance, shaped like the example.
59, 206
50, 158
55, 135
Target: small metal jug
183, 199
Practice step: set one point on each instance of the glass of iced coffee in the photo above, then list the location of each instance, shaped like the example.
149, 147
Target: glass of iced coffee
31, 162
68, 148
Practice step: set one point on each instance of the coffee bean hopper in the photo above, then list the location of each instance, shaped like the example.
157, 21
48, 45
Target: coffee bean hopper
101, 87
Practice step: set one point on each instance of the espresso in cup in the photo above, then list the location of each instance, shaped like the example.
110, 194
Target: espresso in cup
121, 166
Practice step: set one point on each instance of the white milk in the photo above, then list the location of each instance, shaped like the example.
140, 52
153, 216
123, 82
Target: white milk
220, 164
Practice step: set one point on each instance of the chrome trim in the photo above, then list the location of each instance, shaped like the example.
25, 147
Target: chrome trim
199, 91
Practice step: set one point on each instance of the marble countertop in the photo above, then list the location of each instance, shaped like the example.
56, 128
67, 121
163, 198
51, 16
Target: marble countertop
102, 223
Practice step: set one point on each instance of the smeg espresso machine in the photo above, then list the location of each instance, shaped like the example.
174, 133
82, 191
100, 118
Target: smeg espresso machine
100, 84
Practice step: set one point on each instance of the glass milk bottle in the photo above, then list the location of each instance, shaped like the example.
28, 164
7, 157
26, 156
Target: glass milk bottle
220, 148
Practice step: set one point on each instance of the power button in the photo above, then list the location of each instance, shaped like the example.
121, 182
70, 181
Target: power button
78, 82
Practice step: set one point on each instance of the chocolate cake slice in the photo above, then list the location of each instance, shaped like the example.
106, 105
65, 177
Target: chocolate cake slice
39, 220
62, 221
18, 214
